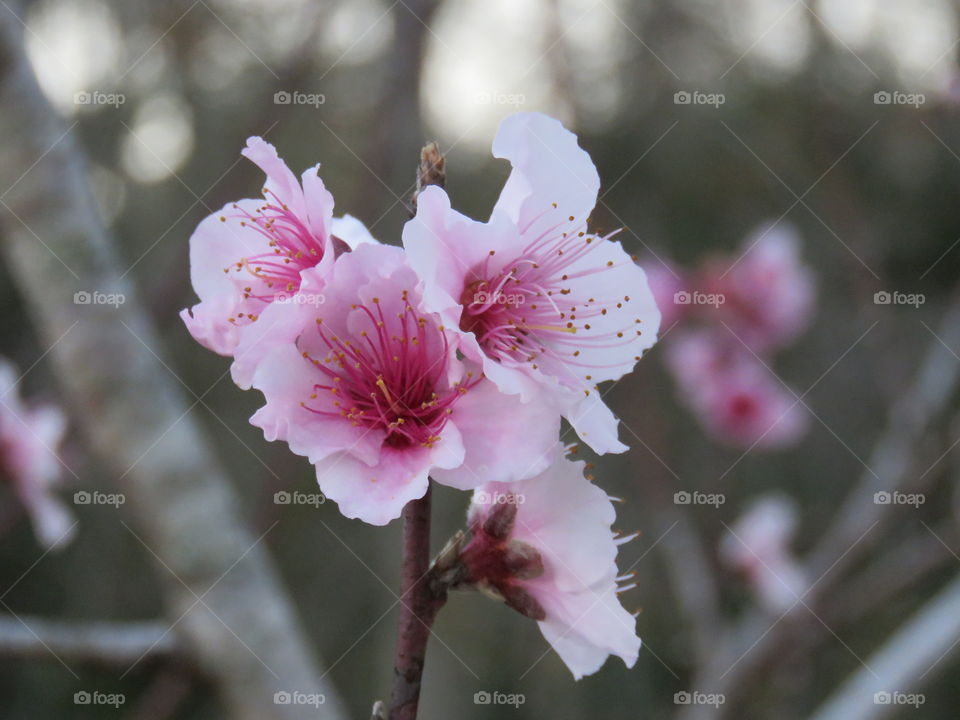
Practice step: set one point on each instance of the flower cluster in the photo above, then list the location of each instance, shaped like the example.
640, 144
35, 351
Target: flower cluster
747, 308
454, 358
29, 438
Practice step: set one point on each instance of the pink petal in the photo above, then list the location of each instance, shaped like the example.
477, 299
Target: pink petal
548, 167
505, 440
352, 231
280, 179
375, 493
286, 380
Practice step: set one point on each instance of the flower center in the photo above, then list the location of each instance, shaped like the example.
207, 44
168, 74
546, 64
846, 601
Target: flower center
526, 312
742, 406
293, 248
389, 375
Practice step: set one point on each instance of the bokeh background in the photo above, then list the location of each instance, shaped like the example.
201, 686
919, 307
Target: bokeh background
871, 188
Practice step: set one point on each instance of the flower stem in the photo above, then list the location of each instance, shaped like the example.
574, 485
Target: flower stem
420, 600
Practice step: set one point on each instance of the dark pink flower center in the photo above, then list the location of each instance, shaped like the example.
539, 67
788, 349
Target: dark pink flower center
743, 406
293, 248
390, 376
526, 312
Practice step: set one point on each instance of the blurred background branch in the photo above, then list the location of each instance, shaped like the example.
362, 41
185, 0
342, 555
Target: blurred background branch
100, 642
223, 594
912, 657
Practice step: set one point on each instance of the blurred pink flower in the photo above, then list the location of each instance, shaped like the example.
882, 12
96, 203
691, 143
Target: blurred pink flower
757, 546
547, 308
544, 546
736, 398
769, 292
367, 386
666, 281
29, 438
252, 253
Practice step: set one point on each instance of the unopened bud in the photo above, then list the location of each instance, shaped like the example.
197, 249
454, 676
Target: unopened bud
523, 560
499, 521
523, 602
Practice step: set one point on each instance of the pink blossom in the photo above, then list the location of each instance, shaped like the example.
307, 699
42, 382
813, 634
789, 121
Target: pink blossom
29, 438
548, 308
369, 388
252, 253
757, 546
769, 292
735, 397
545, 547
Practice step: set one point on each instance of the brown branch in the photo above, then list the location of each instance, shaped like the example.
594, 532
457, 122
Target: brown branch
421, 600
431, 171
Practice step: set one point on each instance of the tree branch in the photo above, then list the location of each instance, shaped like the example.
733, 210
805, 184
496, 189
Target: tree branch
748, 648
237, 621
911, 657
116, 643
420, 603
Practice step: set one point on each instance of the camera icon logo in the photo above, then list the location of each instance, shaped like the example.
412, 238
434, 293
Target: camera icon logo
682, 297
682, 97
81, 497
882, 297
882, 497
81, 297
882, 97
282, 497
882, 698
282, 697
681, 698
82, 98
282, 97
82, 697
681, 498
481, 698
